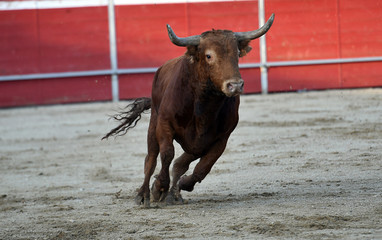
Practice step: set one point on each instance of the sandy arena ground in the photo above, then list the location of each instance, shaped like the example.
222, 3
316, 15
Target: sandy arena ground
298, 166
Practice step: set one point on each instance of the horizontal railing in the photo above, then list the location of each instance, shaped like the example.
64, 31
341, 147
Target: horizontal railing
123, 71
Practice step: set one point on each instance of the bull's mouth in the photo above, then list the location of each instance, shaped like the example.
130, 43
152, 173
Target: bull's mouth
233, 88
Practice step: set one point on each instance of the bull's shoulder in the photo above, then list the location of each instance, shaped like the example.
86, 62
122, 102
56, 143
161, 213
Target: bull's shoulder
169, 73
171, 90
172, 68
173, 62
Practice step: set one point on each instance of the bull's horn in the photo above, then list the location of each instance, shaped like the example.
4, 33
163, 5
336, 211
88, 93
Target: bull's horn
240, 36
182, 42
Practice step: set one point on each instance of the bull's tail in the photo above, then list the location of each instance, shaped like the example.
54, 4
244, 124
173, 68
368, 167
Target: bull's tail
129, 116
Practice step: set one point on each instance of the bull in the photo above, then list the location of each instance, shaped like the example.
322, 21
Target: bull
194, 101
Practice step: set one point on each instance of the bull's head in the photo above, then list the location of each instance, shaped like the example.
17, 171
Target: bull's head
216, 55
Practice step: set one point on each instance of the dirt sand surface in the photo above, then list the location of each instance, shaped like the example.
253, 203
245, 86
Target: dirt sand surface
298, 166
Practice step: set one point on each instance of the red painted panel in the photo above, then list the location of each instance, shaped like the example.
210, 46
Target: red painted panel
142, 35
18, 42
135, 85
361, 31
54, 40
302, 30
74, 39
54, 91
362, 75
303, 77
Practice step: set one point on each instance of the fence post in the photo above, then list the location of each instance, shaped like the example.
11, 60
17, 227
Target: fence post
113, 52
263, 50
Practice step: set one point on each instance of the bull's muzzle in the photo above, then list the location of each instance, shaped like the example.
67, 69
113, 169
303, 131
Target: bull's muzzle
233, 87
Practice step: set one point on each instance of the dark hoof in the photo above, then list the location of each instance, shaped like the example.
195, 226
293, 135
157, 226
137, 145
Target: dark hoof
174, 198
140, 200
146, 203
158, 195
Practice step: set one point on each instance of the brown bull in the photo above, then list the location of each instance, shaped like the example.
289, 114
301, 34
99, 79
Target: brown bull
195, 100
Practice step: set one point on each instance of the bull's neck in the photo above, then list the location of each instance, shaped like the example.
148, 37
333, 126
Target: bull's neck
208, 104
208, 100
210, 111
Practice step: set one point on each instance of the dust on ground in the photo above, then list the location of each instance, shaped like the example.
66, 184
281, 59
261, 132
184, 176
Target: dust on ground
298, 166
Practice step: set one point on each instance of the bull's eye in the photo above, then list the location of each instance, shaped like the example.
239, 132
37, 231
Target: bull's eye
210, 56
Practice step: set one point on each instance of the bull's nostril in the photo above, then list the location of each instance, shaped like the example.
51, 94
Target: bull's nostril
235, 86
230, 87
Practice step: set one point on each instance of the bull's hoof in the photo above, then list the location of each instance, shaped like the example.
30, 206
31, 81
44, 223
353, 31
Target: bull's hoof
140, 200
174, 198
146, 203
158, 195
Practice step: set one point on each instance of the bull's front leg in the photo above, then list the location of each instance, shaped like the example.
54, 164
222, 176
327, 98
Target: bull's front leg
204, 166
181, 166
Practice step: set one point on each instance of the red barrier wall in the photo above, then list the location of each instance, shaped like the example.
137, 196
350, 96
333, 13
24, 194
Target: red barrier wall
324, 29
77, 39
54, 40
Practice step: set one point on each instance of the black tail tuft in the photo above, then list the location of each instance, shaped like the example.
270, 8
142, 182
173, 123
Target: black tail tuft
129, 117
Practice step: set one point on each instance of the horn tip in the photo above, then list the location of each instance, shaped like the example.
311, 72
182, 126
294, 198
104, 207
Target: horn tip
272, 16
170, 31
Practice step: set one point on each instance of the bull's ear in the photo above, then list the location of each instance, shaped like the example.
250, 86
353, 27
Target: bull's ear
244, 48
192, 53
191, 50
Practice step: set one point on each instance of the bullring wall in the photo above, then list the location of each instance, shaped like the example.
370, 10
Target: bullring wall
39, 38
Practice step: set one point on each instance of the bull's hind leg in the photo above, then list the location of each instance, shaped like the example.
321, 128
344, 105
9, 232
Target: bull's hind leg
180, 167
143, 195
161, 184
